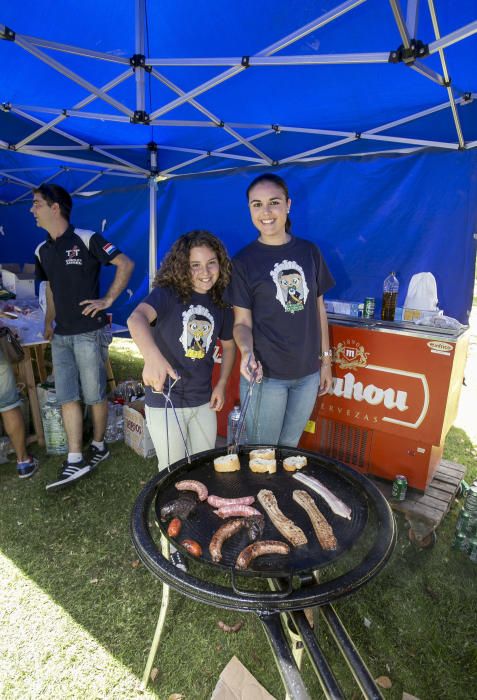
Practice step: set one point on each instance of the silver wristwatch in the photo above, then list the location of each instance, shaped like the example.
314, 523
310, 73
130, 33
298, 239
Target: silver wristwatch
326, 353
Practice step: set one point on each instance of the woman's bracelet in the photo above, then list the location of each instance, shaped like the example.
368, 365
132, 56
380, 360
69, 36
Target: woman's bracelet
326, 353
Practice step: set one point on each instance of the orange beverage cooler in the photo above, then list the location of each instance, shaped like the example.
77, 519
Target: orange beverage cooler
395, 394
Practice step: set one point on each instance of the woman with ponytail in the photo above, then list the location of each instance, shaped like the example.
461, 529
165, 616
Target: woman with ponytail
280, 327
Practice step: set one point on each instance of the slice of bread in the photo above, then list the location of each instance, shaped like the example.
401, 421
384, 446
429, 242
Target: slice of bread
291, 464
262, 453
227, 463
263, 466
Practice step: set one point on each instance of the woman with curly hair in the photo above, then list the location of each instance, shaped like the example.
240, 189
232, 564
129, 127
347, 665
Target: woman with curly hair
189, 314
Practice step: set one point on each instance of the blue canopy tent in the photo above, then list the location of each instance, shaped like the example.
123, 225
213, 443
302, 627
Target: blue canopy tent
156, 115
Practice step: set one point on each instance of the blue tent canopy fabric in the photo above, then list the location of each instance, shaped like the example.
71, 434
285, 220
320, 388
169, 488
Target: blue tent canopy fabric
367, 106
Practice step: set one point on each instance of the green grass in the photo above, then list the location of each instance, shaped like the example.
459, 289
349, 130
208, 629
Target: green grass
77, 612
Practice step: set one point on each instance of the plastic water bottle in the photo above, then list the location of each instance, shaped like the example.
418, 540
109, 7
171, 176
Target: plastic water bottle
55, 437
232, 425
111, 434
4, 448
119, 420
390, 293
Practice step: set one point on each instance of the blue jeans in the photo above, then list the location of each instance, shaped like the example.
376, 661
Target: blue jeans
79, 364
279, 409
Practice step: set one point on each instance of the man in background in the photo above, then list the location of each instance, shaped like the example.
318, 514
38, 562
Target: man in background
69, 260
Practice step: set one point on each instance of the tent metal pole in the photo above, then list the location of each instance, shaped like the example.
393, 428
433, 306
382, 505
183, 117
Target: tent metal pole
411, 17
459, 34
79, 105
299, 60
140, 13
88, 182
152, 228
401, 23
215, 120
44, 182
274, 48
76, 50
447, 83
73, 76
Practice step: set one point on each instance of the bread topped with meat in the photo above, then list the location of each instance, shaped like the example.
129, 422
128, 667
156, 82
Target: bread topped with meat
227, 463
291, 464
263, 466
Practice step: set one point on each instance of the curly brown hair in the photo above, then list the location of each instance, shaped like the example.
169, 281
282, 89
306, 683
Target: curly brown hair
175, 268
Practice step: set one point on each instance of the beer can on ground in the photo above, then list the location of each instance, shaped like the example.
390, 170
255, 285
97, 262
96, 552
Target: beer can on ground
399, 488
369, 306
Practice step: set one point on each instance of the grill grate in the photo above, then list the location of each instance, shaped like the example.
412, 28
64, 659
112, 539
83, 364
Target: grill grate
345, 442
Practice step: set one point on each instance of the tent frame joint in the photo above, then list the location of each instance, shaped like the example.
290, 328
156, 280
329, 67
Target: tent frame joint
408, 55
140, 117
7, 34
245, 62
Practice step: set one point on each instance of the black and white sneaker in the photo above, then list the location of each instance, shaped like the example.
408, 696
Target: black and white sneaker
94, 456
68, 474
178, 560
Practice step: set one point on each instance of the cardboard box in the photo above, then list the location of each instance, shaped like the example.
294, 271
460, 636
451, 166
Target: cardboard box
19, 282
409, 314
348, 308
136, 434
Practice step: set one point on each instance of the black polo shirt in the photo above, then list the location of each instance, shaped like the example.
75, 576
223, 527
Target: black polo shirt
71, 264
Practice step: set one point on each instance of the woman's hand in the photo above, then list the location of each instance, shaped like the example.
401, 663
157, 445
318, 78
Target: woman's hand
251, 368
155, 372
325, 379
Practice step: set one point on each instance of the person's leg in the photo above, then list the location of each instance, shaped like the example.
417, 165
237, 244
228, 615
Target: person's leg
73, 422
201, 428
266, 410
67, 389
165, 434
302, 395
99, 415
13, 419
15, 429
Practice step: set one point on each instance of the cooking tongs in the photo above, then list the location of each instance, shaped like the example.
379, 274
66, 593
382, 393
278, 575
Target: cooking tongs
233, 448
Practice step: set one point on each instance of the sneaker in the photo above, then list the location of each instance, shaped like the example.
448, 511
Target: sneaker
178, 560
68, 474
27, 469
94, 456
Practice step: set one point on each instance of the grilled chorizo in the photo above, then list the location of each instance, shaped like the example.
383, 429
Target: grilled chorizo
259, 549
192, 485
174, 527
192, 547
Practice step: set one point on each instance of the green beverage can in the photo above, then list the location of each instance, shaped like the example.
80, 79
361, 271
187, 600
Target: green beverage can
399, 488
369, 306
473, 550
463, 522
460, 541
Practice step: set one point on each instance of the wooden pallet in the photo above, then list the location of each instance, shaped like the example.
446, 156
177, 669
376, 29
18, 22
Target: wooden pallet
425, 510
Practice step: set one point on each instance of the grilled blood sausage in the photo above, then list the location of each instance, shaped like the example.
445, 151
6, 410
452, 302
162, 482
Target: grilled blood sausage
181, 507
192, 485
259, 549
218, 502
255, 526
174, 527
192, 547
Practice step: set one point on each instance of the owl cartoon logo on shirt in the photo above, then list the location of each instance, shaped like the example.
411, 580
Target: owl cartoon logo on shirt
197, 331
292, 289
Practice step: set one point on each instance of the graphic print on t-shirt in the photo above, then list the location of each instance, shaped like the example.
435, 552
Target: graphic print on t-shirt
292, 289
197, 331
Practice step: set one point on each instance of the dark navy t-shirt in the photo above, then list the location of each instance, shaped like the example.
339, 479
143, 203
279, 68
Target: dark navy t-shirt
281, 285
186, 334
71, 264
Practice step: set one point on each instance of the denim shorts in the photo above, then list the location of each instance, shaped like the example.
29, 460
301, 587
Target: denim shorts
9, 397
79, 365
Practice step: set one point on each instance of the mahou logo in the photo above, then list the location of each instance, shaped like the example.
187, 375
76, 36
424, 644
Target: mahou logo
380, 394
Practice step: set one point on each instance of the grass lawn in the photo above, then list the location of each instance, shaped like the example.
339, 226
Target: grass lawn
78, 611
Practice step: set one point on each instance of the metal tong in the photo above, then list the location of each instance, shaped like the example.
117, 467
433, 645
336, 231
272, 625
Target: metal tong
168, 402
233, 448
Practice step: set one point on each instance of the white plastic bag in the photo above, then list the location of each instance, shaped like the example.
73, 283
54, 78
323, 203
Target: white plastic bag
422, 292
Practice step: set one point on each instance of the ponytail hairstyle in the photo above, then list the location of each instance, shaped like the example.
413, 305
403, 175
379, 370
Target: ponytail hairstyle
175, 272
280, 182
